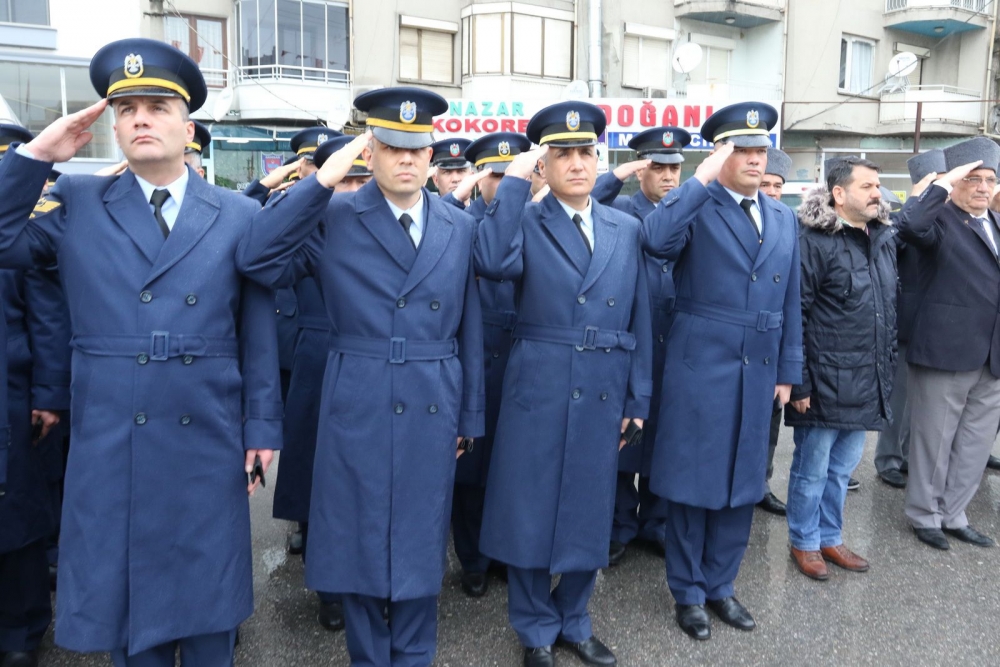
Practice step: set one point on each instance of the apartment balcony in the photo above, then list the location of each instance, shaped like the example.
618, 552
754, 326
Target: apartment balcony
281, 92
937, 18
735, 13
945, 109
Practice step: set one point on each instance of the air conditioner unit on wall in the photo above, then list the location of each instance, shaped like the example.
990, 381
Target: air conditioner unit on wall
658, 93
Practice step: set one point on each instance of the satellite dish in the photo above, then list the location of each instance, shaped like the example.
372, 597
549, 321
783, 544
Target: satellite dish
687, 57
903, 64
576, 90
223, 103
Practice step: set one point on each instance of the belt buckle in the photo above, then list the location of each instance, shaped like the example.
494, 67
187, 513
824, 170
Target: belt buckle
590, 338
163, 339
762, 318
397, 350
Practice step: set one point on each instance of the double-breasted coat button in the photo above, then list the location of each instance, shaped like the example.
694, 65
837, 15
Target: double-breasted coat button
579, 348
581, 299
767, 360
400, 302
660, 338
432, 409
191, 299
611, 301
398, 409
185, 420
145, 296
665, 268
140, 418
188, 359
777, 278
604, 395
435, 305
142, 359
576, 393
753, 277
746, 361
496, 355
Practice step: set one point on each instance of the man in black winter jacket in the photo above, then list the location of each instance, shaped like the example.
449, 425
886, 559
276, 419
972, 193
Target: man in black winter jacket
848, 251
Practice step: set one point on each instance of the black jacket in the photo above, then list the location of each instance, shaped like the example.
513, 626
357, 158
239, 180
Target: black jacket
957, 325
848, 318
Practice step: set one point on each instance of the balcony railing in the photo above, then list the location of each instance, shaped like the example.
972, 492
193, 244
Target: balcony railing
945, 104
767, 4
978, 6
215, 78
292, 73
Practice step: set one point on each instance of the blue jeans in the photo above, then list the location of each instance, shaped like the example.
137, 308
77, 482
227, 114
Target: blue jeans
817, 485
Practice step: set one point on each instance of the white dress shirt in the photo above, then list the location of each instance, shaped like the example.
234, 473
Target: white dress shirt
754, 210
988, 226
172, 206
416, 213
587, 219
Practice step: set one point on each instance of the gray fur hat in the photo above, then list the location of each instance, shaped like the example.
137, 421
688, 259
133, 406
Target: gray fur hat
977, 148
778, 163
924, 163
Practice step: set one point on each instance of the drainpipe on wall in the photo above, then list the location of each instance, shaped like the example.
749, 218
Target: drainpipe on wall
988, 87
595, 70
784, 66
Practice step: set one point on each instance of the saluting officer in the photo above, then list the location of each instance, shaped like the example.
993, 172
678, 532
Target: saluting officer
639, 513
734, 345
34, 387
293, 487
194, 148
451, 164
578, 374
175, 379
403, 381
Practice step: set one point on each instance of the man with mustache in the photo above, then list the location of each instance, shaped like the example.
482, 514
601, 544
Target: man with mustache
734, 346
848, 251
953, 381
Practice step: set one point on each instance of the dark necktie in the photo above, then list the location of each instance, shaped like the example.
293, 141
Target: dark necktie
747, 205
578, 221
405, 220
157, 199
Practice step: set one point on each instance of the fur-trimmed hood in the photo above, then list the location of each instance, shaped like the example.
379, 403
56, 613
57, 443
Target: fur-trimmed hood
816, 212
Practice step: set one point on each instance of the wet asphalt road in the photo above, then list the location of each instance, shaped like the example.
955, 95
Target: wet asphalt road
916, 606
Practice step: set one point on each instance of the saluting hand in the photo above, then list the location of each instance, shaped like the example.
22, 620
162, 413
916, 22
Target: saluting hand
337, 165
541, 194
711, 167
923, 184
623, 171
958, 173
113, 170
62, 139
278, 176
468, 184
524, 164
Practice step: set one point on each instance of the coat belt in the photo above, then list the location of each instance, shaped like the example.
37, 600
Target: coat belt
317, 322
585, 338
500, 318
395, 350
159, 345
762, 320
665, 304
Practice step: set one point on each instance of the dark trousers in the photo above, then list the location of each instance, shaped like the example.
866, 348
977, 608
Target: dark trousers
212, 650
704, 550
540, 614
408, 639
638, 511
25, 607
466, 523
772, 443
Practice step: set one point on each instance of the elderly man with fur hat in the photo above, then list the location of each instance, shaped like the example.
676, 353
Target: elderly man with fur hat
848, 253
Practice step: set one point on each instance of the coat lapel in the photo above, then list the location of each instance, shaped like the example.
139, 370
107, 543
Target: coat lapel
770, 223
981, 233
437, 233
128, 207
736, 219
641, 206
605, 240
378, 219
564, 233
198, 213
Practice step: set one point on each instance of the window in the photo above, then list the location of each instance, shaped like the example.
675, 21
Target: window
646, 62
35, 12
544, 45
300, 39
39, 94
426, 55
204, 39
857, 58
714, 66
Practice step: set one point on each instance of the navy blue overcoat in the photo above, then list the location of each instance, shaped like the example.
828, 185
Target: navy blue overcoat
551, 489
736, 333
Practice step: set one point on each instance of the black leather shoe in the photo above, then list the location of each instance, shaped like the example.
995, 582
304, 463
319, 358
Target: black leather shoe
771, 504
615, 553
592, 651
693, 620
893, 478
474, 584
295, 543
993, 463
731, 612
20, 659
932, 536
904, 468
853, 484
970, 535
331, 615
539, 657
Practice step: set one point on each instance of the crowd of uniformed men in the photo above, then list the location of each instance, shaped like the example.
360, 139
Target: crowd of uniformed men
606, 369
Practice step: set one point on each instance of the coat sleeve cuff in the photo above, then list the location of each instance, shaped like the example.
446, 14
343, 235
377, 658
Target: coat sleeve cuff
49, 397
262, 434
790, 365
637, 407
472, 423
